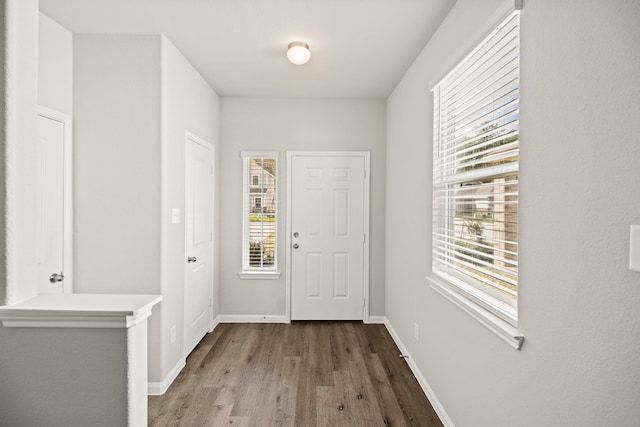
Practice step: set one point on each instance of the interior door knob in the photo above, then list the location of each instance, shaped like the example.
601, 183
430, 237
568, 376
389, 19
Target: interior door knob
296, 246
56, 278
192, 259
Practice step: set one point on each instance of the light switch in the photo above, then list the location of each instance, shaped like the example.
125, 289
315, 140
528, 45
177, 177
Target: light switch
634, 248
175, 216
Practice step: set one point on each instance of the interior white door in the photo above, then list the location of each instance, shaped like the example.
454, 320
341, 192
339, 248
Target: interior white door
198, 284
327, 237
50, 211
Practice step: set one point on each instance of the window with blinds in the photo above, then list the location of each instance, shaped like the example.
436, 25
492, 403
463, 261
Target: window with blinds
475, 174
259, 254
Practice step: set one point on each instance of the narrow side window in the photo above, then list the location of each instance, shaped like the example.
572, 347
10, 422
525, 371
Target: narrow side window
260, 214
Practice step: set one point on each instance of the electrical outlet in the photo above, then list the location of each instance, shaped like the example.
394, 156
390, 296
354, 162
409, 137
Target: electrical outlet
416, 331
173, 332
634, 248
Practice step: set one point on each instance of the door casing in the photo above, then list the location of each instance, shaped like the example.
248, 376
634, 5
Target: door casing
366, 157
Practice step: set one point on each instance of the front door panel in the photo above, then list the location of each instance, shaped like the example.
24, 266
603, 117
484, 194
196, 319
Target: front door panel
327, 225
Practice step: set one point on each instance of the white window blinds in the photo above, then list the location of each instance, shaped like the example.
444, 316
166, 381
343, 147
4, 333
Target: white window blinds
260, 212
475, 173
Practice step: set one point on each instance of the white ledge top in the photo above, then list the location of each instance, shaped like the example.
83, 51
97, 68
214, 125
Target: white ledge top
79, 311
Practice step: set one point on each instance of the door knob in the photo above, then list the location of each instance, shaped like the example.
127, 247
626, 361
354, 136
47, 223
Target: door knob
56, 278
296, 246
192, 259
296, 234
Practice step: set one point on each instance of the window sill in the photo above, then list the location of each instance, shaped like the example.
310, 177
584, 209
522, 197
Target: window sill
492, 322
259, 275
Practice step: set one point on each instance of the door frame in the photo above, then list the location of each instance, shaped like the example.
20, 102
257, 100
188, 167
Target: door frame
367, 206
191, 137
65, 119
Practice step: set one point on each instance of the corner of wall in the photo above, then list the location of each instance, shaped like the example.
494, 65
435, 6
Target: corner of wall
428, 391
19, 107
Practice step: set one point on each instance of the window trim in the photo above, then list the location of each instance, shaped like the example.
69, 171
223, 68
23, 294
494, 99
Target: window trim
467, 296
247, 272
510, 334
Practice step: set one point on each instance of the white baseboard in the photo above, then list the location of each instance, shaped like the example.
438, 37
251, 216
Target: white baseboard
437, 406
251, 318
379, 320
159, 388
215, 323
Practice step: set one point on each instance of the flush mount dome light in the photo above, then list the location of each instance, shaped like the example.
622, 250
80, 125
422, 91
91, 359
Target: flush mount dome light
298, 53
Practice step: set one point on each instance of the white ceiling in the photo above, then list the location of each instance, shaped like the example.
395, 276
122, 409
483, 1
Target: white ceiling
359, 48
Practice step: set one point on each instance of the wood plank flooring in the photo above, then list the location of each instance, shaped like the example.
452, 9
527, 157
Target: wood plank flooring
303, 374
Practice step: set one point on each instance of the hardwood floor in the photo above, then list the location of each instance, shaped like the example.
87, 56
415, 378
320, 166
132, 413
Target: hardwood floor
303, 374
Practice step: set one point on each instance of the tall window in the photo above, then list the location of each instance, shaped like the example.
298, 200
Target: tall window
475, 175
259, 254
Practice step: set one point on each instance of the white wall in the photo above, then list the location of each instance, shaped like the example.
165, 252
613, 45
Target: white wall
117, 164
55, 66
135, 97
282, 125
18, 82
37, 364
580, 186
117, 173
43, 372
188, 103
18, 107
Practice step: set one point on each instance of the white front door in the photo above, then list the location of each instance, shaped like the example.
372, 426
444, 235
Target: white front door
53, 233
198, 283
328, 218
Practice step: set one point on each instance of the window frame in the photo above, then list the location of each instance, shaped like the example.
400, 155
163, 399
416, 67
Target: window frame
480, 301
248, 208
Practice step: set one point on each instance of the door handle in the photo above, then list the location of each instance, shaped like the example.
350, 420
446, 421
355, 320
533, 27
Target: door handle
296, 246
192, 259
56, 278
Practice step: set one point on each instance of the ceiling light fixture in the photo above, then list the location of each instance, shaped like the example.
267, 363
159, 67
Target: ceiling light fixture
298, 53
